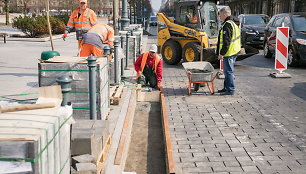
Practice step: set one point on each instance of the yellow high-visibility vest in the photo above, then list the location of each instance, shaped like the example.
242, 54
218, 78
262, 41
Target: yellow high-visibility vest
235, 44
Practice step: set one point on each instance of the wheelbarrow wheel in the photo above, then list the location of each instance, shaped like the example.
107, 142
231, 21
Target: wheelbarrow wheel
196, 86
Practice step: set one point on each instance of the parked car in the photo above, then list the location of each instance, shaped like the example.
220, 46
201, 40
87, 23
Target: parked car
153, 21
297, 36
252, 28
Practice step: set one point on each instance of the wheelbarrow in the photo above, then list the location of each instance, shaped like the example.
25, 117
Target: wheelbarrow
200, 73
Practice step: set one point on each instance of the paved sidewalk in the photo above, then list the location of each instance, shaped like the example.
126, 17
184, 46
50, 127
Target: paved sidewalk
262, 129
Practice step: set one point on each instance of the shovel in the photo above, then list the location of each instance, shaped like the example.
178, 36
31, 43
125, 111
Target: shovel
49, 97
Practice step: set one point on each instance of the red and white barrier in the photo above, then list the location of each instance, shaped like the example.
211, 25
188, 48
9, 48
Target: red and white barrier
221, 65
281, 51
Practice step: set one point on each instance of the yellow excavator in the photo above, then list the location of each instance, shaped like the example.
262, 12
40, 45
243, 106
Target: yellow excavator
191, 33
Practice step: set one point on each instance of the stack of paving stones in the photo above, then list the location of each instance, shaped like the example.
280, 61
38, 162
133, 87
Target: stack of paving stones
79, 95
258, 130
87, 141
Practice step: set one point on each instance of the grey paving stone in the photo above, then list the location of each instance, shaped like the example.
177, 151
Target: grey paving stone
198, 169
227, 169
231, 163
250, 169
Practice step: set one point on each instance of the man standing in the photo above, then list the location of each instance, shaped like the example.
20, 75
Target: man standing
94, 39
228, 48
149, 68
82, 19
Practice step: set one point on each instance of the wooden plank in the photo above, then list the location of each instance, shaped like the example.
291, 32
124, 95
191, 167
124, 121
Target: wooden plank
117, 96
118, 92
103, 155
169, 159
112, 90
153, 96
124, 133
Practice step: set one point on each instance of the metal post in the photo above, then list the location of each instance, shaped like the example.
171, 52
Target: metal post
127, 50
115, 15
116, 45
122, 41
92, 87
65, 81
124, 19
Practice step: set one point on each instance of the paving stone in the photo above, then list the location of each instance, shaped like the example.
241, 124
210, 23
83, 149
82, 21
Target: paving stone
227, 169
231, 163
250, 169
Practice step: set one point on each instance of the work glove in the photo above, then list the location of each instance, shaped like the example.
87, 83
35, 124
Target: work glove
159, 85
64, 36
138, 74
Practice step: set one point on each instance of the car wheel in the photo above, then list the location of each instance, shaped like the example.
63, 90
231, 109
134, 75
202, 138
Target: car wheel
292, 61
266, 51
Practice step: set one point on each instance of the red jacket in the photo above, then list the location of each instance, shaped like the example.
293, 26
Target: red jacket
150, 63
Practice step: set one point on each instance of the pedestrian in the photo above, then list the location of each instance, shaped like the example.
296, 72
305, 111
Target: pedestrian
94, 39
228, 48
149, 68
82, 19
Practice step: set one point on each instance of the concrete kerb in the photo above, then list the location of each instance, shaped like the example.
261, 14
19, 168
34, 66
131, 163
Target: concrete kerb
44, 39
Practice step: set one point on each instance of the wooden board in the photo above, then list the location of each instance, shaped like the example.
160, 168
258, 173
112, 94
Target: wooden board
166, 131
103, 155
116, 97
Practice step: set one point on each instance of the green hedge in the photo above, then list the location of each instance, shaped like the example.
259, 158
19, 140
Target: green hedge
36, 26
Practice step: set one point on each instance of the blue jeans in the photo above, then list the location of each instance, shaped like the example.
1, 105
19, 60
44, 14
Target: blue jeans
229, 84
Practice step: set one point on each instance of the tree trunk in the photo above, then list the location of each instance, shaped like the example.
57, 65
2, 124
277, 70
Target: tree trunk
7, 14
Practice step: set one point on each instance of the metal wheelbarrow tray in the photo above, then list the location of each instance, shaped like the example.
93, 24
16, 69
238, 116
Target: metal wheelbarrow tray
200, 72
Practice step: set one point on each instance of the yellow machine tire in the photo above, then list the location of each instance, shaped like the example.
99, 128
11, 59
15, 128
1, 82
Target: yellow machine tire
171, 52
191, 52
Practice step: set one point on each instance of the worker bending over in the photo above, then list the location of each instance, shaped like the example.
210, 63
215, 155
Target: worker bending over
94, 39
149, 68
82, 19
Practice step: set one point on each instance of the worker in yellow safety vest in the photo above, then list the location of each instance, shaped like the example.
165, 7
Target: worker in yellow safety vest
82, 19
149, 68
229, 45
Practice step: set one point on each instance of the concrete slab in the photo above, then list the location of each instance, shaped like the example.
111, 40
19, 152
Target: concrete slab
280, 75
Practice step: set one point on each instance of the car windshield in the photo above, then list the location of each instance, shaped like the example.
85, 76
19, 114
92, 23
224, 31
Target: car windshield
251, 20
153, 18
299, 23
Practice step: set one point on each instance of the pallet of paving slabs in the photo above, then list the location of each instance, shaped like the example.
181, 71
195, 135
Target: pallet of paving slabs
77, 69
39, 137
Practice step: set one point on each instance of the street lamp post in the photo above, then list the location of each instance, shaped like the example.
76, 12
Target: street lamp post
124, 19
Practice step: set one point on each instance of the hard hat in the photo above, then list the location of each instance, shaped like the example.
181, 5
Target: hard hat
83, 1
153, 48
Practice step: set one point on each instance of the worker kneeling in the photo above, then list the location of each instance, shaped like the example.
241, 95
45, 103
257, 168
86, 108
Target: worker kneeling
149, 68
94, 39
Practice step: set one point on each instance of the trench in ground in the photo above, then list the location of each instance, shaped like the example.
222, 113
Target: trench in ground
146, 154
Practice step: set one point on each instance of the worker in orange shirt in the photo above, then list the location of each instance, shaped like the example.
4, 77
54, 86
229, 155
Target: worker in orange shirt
82, 19
149, 68
94, 39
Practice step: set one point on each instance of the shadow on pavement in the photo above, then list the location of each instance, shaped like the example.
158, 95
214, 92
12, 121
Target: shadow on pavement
299, 90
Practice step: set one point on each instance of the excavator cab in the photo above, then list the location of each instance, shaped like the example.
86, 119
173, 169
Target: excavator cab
198, 15
193, 35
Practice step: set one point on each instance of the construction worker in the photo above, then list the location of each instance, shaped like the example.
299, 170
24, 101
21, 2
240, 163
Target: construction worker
94, 39
82, 19
149, 68
229, 45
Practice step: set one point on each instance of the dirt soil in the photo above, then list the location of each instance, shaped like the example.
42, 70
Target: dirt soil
146, 152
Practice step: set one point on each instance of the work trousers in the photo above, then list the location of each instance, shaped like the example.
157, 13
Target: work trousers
90, 50
229, 84
149, 77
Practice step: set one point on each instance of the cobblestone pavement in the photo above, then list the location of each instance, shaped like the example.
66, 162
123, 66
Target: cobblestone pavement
261, 129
